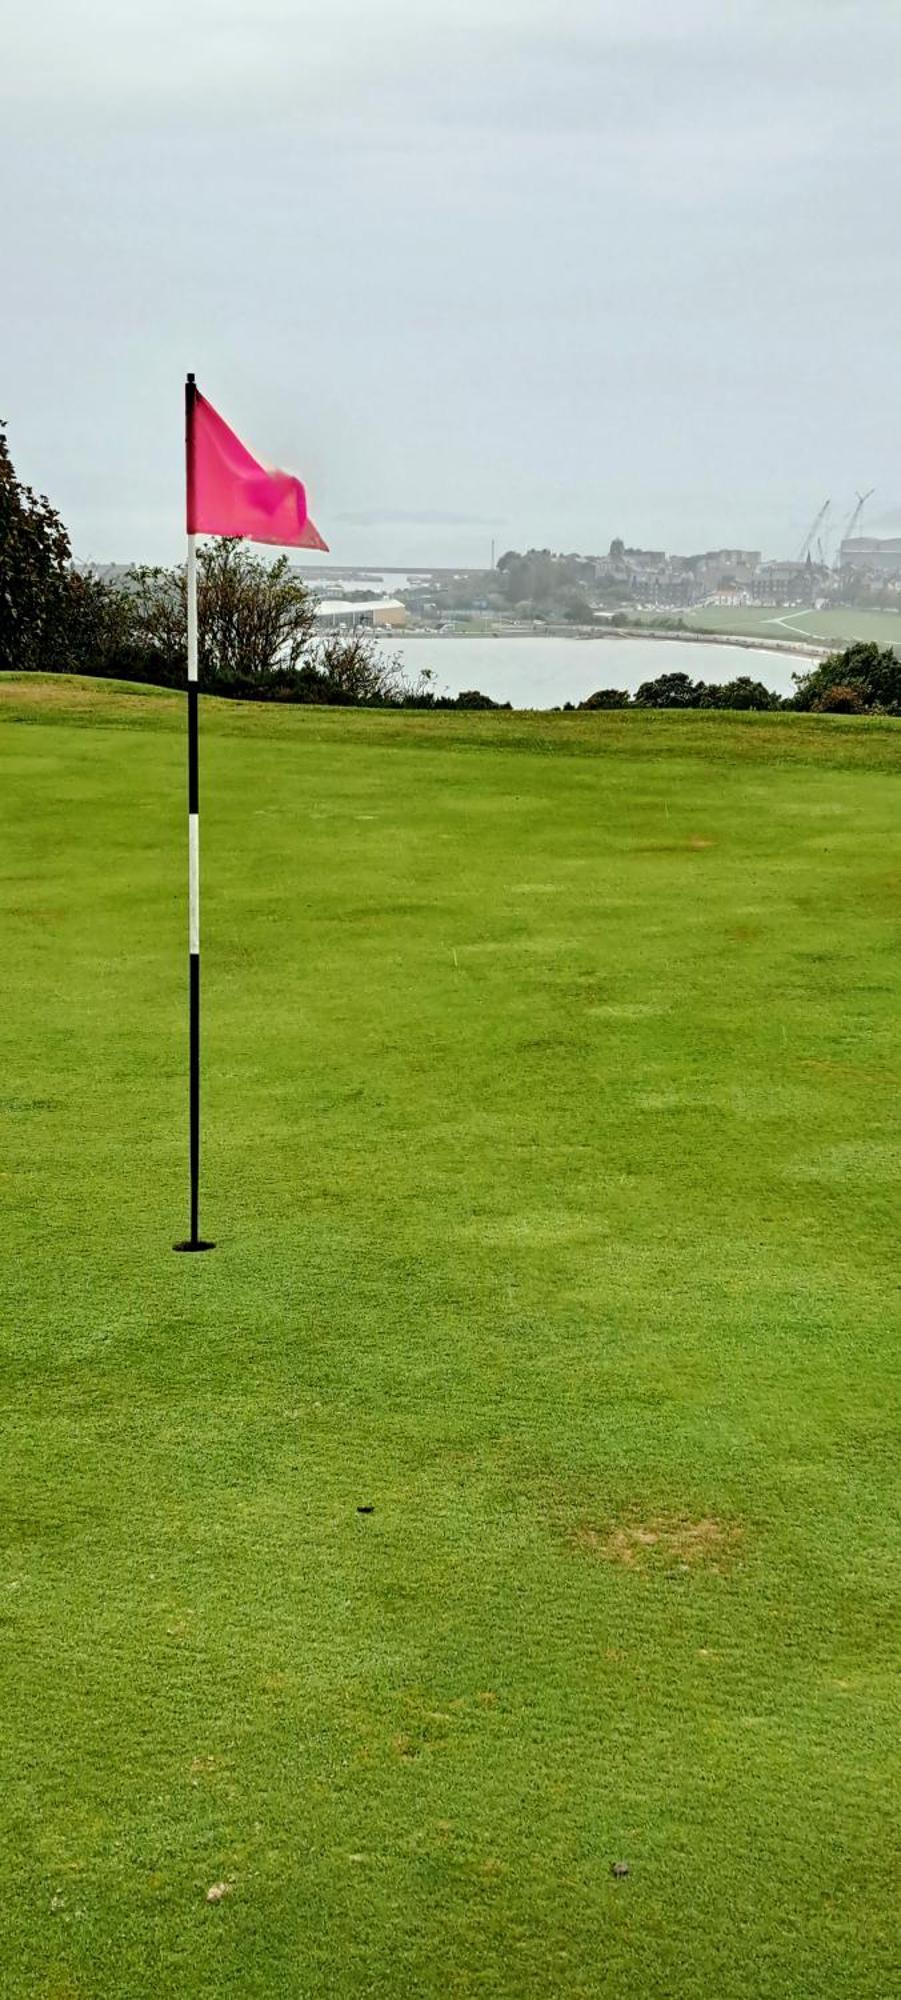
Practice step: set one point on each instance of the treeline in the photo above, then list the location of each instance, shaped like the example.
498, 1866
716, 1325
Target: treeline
257, 621
864, 679
680, 691
540, 584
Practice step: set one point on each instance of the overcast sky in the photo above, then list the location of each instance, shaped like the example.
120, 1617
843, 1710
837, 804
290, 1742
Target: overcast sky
548, 273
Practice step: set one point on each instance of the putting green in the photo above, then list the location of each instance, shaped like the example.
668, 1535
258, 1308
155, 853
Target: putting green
551, 1152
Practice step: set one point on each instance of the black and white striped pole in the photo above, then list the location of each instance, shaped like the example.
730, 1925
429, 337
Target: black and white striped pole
194, 1241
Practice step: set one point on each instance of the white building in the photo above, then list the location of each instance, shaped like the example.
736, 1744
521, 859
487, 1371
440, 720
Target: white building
332, 612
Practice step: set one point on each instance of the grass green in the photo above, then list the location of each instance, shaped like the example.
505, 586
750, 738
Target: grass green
838, 625
551, 1151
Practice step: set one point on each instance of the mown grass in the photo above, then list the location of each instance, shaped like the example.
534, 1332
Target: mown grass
551, 1150
837, 625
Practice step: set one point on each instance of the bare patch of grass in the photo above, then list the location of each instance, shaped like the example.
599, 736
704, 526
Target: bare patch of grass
669, 1539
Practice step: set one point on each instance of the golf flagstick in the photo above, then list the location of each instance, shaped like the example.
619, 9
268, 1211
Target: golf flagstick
194, 1240
232, 494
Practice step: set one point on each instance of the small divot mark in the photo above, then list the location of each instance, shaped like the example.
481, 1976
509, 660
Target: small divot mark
367, 1509
619, 1870
218, 1890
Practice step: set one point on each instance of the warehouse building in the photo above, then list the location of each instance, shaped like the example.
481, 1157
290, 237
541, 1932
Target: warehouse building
386, 612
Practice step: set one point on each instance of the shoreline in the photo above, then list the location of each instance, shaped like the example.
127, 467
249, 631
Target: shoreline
794, 648
813, 649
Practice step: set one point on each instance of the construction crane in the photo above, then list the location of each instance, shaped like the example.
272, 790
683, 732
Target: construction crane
813, 530
852, 523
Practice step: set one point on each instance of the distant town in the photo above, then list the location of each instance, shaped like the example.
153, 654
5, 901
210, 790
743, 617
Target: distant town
539, 587
720, 590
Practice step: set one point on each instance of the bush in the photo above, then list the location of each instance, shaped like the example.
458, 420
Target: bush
92, 625
472, 698
742, 693
840, 700
255, 619
671, 691
872, 672
352, 671
677, 691
607, 698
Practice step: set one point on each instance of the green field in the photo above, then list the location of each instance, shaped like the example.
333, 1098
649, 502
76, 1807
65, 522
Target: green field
838, 626
552, 1156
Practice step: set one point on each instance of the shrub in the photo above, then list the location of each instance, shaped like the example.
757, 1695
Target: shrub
840, 700
671, 691
743, 693
472, 698
873, 672
607, 698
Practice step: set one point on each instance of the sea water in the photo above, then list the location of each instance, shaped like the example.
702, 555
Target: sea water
545, 673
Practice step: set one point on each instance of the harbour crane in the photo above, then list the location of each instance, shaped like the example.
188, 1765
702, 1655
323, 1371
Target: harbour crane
813, 531
852, 522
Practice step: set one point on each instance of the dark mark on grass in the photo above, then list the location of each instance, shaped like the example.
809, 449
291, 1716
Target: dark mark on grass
619, 1869
366, 1510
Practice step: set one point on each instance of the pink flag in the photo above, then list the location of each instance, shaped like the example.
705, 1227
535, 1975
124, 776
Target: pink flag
231, 493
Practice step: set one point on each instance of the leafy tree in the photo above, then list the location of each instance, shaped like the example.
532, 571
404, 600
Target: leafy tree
34, 558
472, 698
255, 618
92, 626
678, 691
743, 693
607, 698
540, 581
154, 645
670, 691
873, 671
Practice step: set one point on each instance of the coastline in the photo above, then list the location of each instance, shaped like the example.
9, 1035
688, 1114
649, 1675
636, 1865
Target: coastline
747, 642
812, 649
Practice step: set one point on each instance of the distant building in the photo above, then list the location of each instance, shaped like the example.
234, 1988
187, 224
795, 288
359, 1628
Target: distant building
642, 571
866, 552
388, 612
725, 569
789, 583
